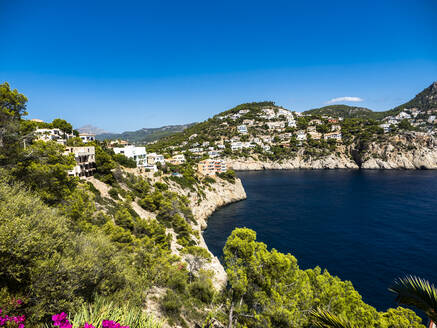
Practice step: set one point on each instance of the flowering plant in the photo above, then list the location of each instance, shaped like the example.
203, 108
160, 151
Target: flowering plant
61, 321
15, 321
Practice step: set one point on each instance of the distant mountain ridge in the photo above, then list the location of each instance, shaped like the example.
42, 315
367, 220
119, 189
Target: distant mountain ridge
423, 101
145, 134
91, 129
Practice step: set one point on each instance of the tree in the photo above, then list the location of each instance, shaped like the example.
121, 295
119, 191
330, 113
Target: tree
62, 125
267, 289
104, 166
12, 109
43, 167
417, 292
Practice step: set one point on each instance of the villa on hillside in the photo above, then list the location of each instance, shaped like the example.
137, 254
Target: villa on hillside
137, 153
53, 135
301, 135
177, 159
242, 129
85, 161
87, 137
333, 135
154, 158
209, 167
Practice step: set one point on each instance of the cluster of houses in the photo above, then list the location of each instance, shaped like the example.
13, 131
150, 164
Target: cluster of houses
426, 120
275, 122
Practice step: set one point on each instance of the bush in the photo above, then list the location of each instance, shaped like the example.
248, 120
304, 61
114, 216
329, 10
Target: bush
44, 259
113, 193
203, 290
171, 303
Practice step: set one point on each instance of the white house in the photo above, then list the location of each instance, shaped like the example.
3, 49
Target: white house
213, 154
137, 153
301, 135
53, 135
276, 125
178, 159
386, 127
236, 145
242, 129
154, 158
87, 137
292, 123
196, 150
333, 135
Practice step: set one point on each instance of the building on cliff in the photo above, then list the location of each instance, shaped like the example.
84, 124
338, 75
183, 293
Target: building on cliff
137, 153
210, 167
85, 161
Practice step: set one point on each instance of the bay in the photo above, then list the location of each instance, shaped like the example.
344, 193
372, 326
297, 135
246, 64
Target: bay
365, 226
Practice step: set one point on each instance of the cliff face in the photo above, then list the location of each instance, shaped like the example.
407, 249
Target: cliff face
216, 195
403, 152
220, 194
411, 151
328, 162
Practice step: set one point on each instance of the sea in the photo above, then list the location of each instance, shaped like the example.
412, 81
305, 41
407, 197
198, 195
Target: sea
366, 226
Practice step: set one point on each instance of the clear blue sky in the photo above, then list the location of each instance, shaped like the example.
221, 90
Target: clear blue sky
124, 65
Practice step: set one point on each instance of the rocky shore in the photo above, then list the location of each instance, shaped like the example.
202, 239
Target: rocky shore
409, 152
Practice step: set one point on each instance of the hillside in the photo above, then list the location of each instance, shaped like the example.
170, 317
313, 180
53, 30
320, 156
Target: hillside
423, 101
264, 135
342, 110
146, 134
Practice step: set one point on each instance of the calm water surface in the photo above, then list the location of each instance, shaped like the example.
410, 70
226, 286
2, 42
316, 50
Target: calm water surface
365, 226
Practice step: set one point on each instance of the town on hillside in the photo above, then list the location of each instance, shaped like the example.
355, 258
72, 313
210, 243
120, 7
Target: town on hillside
261, 131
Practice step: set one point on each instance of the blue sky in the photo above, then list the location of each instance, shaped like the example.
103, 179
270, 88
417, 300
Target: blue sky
124, 65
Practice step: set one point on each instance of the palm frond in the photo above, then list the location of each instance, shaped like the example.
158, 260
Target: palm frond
325, 319
416, 292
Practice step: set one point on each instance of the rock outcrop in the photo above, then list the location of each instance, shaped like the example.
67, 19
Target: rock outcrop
219, 194
410, 151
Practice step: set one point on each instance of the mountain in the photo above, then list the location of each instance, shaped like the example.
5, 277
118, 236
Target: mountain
423, 101
145, 134
91, 129
342, 110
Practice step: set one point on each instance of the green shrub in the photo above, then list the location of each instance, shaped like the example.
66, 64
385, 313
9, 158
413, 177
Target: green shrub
171, 303
113, 193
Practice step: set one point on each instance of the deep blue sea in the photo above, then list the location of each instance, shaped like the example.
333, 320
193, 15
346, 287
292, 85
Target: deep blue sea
368, 227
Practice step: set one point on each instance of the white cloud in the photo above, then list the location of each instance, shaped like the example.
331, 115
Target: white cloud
340, 99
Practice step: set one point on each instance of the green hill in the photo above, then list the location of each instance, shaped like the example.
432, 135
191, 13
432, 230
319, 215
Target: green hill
145, 135
343, 111
423, 101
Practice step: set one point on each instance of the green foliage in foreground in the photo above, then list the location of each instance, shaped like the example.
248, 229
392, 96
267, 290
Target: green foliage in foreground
417, 292
267, 289
102, 309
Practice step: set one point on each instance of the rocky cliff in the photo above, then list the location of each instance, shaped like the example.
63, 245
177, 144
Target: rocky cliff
409, 151
203, 205
402, 152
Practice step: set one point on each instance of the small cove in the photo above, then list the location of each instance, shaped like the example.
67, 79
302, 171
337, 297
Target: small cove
365, 226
